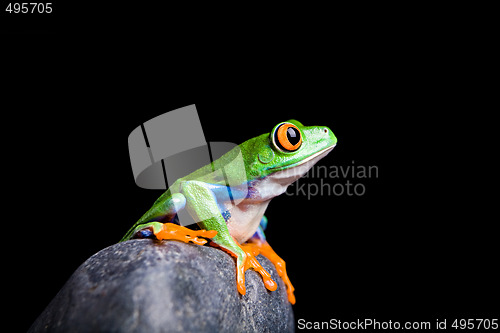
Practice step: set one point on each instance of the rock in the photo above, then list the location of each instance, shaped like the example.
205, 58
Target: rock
144, 285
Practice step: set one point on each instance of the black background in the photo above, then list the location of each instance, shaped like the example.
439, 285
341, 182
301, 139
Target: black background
406, 97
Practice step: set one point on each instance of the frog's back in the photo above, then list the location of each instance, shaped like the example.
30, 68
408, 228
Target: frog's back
210, 174
215, 172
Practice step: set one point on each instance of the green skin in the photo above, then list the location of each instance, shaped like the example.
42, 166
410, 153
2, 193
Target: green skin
267, 172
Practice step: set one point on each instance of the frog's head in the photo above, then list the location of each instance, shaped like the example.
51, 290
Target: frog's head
290, 147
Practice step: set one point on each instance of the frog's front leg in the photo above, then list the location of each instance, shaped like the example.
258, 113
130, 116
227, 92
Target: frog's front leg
202, 205
172, 231
165, 210
183, 234
260, 245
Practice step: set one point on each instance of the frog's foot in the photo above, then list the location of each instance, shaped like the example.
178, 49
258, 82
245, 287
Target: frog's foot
251, 262
245, 259
180, 233
266, 250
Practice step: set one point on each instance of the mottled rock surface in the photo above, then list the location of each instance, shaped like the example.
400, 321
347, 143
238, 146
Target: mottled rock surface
150, 286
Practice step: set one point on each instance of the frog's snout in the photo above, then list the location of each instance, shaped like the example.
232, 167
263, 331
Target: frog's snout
330, 136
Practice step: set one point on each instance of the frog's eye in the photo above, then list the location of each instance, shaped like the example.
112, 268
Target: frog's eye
287, 137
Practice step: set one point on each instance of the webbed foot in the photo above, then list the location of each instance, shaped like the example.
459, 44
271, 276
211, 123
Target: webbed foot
183, 234
251, 262
265, 249
245, 259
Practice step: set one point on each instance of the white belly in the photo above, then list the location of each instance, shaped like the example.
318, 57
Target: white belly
245, 219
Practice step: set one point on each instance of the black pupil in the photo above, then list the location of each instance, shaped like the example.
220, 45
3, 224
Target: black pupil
293, 135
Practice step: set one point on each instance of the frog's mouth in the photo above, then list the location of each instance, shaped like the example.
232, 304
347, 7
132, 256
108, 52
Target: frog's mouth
312, 158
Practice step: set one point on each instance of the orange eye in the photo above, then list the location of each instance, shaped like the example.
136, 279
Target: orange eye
287, 137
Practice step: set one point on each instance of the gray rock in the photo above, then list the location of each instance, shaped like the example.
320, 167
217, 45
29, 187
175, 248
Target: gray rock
149, 286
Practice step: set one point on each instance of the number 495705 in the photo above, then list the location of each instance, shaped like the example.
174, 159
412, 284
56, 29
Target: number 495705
29, 7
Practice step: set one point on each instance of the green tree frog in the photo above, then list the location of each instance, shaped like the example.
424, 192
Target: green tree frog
271, 162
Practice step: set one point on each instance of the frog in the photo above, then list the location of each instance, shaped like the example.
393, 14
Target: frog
231, 216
